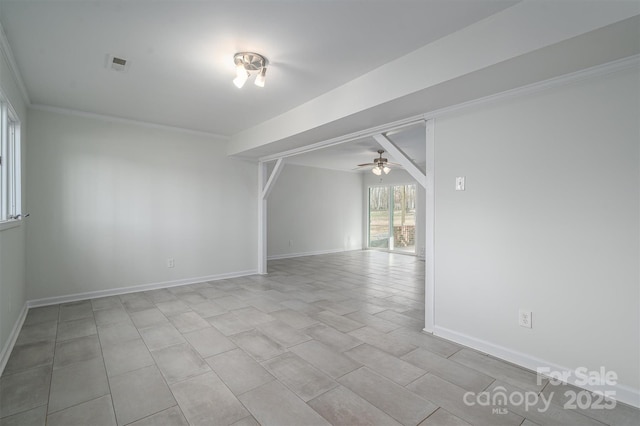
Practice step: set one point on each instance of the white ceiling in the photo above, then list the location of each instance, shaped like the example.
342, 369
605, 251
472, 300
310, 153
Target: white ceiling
181, 61
181, 52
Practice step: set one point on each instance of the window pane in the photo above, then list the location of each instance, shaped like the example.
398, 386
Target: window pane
10, 195
4, 169
14, 170
379, 217
404, 218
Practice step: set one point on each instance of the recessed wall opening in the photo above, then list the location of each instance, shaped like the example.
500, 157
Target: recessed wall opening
315, 189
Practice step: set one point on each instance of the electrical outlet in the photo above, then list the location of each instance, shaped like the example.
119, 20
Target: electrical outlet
171, 263
524, 318
460, 183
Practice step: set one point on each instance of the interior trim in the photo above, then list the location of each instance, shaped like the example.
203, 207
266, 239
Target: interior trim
309, 253
553, 82
104, 117
133, 289
11, 61
538, 86
11, 341
625, 394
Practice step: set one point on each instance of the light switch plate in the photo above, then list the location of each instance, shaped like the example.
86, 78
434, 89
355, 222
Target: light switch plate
460, 183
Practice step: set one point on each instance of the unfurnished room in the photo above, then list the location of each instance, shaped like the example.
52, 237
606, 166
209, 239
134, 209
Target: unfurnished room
319, 212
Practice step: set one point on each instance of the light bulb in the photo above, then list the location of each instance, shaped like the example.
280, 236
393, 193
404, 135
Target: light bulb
376, 171
241, 76
260, 78
386, 170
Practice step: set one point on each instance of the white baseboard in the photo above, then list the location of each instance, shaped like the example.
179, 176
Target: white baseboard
309, 253
625, 394
144, 287
8, 347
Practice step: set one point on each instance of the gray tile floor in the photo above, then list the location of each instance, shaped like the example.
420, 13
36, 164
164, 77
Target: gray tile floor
332, 339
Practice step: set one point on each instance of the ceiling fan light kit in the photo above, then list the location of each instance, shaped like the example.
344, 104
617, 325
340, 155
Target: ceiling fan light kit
380, 165
248, 63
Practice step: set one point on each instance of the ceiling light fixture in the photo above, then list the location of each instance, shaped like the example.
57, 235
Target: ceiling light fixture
377, 170
260, 78
248, 63
380, 165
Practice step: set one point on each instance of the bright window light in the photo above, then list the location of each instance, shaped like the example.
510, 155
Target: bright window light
10, 175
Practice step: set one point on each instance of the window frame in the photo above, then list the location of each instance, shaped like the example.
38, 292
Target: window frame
10, 166
391, 204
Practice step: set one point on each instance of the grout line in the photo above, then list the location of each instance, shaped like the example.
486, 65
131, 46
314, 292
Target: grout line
155, 364
104, 364
46, 414
434, 411
258, 289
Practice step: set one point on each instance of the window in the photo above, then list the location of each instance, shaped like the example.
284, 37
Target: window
392, 218
10, 175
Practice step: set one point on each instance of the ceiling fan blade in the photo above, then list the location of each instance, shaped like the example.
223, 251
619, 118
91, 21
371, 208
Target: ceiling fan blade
380, 162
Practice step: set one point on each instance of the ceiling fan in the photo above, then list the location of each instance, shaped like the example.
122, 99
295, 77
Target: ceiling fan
380, 164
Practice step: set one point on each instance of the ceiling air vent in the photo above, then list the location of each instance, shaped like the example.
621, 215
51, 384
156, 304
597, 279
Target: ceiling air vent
117, 64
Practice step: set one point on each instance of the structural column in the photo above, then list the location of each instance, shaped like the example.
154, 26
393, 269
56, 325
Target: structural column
264, 189
430, 224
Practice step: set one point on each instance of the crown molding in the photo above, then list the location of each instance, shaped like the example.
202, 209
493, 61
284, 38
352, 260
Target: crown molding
7, 53
595, 71
111, 118
574, 77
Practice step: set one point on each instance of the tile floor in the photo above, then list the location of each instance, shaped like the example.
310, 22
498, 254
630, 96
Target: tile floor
332, 339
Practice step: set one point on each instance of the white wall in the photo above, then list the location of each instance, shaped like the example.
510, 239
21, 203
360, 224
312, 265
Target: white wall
110, 202
549, 222
318, 210
398, 177
12, 241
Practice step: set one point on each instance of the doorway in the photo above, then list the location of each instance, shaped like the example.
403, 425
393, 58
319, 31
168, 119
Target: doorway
392, 218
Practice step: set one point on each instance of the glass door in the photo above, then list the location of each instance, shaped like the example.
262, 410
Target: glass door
404, 218
379, 222
392, 218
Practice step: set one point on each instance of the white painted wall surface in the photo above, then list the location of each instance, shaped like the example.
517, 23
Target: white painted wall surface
318, 210
12, 241
110, 202
397, 177
549, 222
